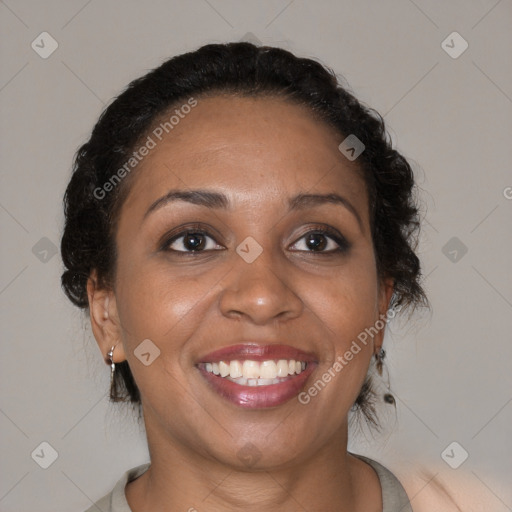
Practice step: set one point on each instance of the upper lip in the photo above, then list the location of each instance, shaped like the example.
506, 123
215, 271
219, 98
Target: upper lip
257, 352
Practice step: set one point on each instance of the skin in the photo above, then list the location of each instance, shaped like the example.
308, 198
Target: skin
258, 152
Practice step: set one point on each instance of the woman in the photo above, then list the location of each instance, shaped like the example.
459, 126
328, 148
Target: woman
240, 230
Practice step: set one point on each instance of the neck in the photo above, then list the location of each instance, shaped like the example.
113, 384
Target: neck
180, 478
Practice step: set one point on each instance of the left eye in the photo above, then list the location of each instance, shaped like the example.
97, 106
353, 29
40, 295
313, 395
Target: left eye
316, 242
193, 242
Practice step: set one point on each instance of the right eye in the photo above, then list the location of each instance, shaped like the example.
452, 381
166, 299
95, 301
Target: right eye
193, 242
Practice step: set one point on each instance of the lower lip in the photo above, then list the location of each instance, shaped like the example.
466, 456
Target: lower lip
258, 397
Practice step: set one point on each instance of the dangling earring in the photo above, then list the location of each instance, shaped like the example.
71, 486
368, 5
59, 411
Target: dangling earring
110, 356
380, 356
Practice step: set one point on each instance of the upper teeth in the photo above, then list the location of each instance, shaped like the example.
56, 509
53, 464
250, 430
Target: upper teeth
256, 370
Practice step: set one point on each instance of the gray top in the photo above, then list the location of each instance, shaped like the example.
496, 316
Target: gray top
394, 497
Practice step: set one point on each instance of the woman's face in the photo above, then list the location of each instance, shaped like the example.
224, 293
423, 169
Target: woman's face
262, 252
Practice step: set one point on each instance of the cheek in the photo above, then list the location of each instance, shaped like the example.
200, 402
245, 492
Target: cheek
347, 302
161, 303
163, 306
346, 306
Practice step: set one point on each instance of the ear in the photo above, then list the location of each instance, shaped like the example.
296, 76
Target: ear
386, 287
104, 319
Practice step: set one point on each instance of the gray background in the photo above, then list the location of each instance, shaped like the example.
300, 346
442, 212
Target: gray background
450, 370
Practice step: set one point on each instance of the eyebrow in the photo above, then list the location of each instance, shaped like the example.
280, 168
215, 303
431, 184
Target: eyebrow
217, 200
302, 201
198, 197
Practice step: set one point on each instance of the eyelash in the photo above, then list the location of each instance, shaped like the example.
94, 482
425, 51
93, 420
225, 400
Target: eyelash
190, 230
330, 233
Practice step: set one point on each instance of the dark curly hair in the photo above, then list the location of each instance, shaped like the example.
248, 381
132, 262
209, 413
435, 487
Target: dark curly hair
88, 241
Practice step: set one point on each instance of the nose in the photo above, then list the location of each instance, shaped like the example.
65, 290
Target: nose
258, 292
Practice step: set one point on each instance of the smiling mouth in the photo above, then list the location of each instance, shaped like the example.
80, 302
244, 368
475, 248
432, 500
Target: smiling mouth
253, 373
256, 376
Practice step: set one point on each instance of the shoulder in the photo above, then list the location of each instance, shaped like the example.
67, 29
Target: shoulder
438, 488
435, 488
115, 500
394, 496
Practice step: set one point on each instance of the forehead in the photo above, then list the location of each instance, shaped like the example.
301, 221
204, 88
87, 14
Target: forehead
252, 149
